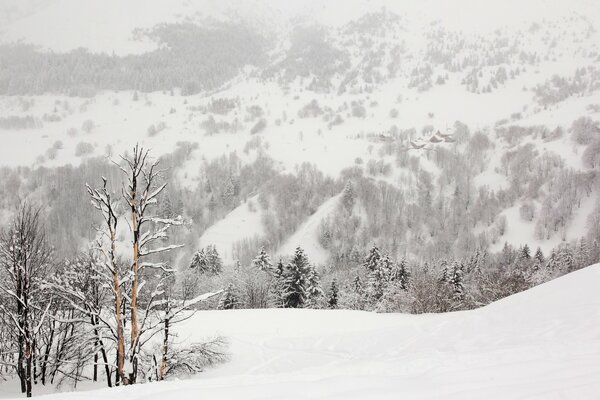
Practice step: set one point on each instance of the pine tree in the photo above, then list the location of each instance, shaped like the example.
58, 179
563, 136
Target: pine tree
293, 294
357, 285
199, 262
332, 301
348, 197
294, 280
229, 299
400, 274
454, 277
262, 261
276, 290
583, 254
372, 260
566, 259
314, 293
539, 256
229, 193
215, 264
525, 253
207, 261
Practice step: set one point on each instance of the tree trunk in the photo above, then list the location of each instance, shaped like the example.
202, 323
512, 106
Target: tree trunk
163, 362
134, 289
28, 361
120, 335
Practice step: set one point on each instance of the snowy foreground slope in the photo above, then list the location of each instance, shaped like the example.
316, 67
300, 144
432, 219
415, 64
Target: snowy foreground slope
540, 344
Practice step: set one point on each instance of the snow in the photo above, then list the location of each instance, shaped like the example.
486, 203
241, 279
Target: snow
540, 344
242, 223
520, 232
307, 234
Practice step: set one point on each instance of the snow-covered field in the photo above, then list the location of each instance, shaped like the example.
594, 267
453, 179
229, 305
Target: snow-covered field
540, 344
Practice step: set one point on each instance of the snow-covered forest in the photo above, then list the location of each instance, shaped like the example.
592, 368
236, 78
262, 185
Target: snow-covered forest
178, 179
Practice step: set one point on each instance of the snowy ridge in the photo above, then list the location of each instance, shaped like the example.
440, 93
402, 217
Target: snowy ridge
540, 344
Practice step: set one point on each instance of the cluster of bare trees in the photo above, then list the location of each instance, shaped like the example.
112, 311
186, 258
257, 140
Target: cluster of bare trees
104, 312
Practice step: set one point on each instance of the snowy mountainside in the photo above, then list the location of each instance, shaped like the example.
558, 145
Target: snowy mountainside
353, 92
541, 343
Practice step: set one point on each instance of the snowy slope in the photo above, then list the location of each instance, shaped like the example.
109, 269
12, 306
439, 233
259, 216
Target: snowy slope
306, 236
288, 138
540, 344
240, 224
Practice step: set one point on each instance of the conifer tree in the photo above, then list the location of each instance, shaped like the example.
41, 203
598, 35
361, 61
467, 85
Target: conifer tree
583, 254
400, 274
314, 293
372, 260
262, 261
332, 301
215, 264
525, 253
357, 285
295, 280
276, 290
199, 262
348, 197
229, 300
539, 256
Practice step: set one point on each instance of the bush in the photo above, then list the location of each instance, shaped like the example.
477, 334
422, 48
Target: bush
83, 148
584, 130
259, 126
88, 126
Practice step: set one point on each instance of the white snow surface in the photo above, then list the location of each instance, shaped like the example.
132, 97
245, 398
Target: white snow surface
540, 344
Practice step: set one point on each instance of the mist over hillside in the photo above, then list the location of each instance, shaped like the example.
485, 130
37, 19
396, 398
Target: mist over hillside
408, 156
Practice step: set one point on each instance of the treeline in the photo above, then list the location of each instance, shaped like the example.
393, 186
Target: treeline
379, 282
189, 57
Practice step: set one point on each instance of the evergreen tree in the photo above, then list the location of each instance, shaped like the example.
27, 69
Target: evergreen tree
293, 293
229, 193
207, 261
262, 261
583, 254
400, 274
348, 197
454, 277
167, 209
357, 285
525, 253
372, 260
214, 261
314, 293
199, 262
566, 259
539, 256
276, 290
295, 280
229, 300
332, 301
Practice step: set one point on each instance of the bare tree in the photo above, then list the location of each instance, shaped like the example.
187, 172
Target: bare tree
140, 192
102, 201
25, 260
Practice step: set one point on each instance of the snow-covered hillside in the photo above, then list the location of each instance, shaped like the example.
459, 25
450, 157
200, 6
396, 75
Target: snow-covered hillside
356, 87
540, 344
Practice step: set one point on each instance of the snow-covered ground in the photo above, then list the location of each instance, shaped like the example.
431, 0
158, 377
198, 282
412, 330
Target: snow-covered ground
540, 344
